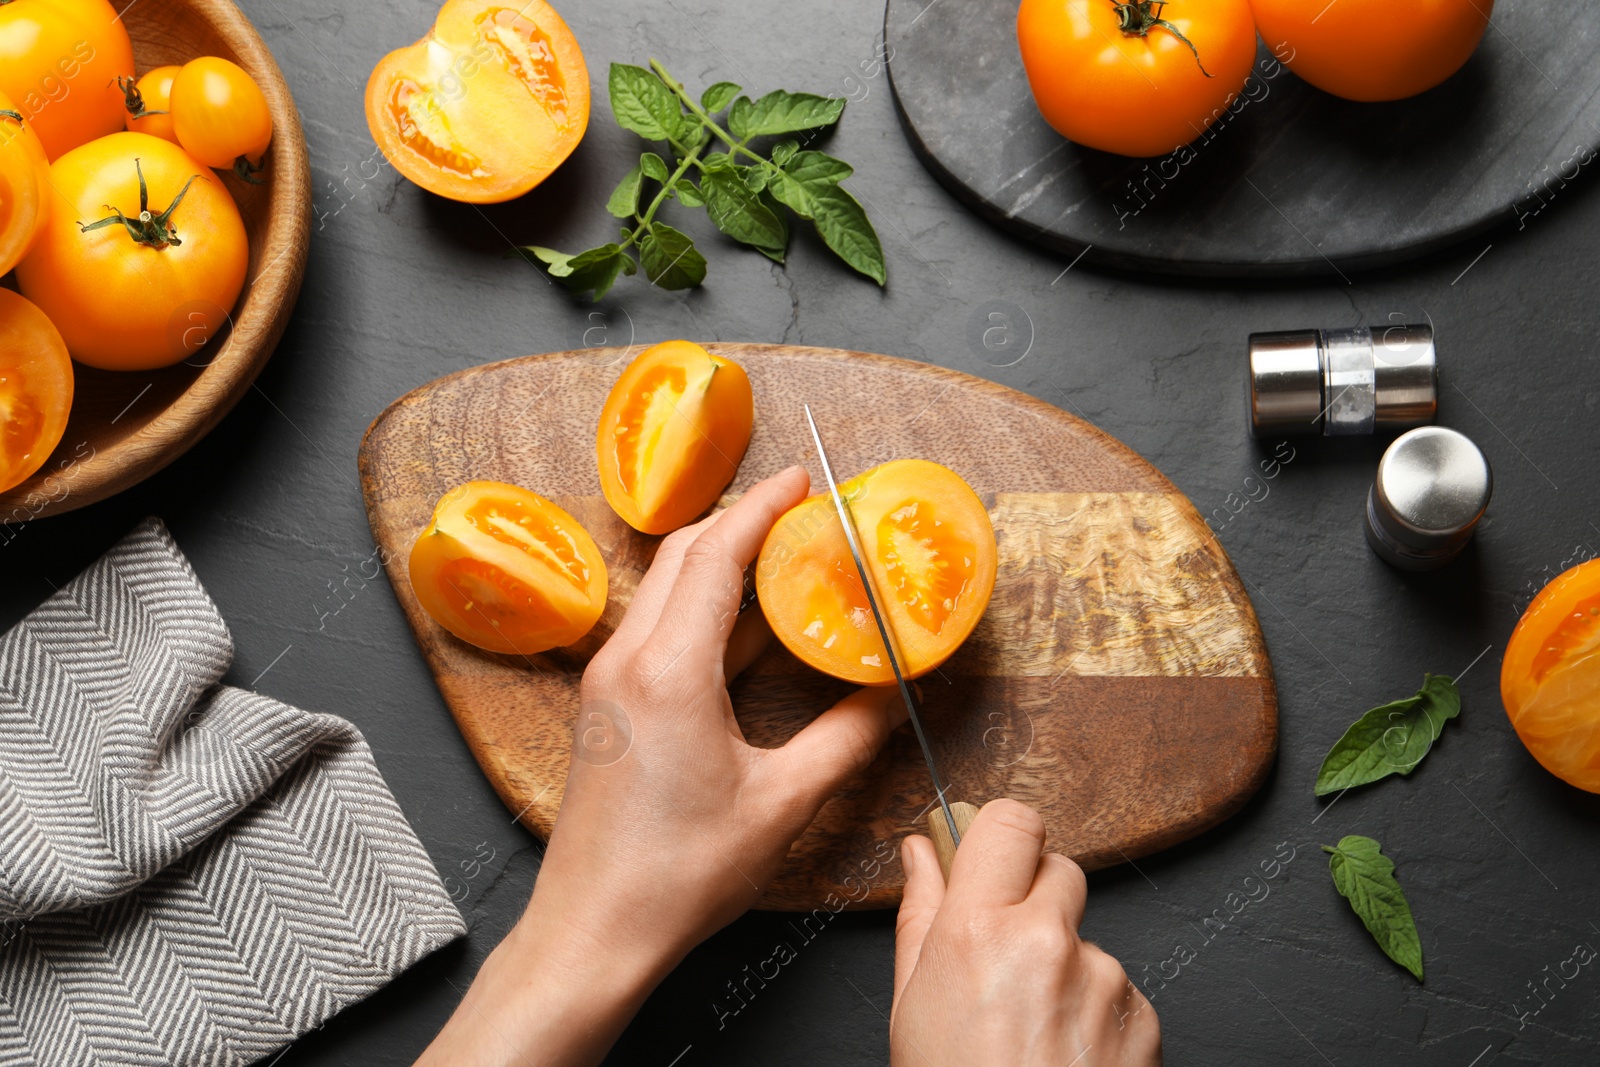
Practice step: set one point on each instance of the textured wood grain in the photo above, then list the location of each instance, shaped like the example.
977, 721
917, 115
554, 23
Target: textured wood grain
1289, 180
127, 425
1118, 681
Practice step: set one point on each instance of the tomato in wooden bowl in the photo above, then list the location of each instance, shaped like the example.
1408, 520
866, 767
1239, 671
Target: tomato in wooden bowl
926, 538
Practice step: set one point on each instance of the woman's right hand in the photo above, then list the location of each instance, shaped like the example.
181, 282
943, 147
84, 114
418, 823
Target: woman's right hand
990, 969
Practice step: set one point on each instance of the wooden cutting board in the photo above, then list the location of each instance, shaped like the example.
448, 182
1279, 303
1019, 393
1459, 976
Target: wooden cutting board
1290, 181
1118, 682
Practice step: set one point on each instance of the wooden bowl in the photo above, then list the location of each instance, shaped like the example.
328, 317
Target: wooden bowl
127, 425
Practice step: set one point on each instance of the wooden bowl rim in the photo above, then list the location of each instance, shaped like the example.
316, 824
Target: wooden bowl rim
270, 294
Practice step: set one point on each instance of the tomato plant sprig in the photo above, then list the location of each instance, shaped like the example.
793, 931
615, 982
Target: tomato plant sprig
153, 229
1139, 17
743, 191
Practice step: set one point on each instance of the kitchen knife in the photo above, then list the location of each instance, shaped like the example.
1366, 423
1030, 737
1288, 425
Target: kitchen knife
946, 831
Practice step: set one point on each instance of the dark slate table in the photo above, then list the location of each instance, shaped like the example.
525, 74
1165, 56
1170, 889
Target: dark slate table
1498, 857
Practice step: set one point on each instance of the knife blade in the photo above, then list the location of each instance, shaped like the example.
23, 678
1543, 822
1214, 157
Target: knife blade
847, 521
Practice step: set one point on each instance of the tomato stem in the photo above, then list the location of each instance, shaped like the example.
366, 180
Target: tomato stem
14, 116
1136, 18
132, 98
705, 120
246, 171
152, 229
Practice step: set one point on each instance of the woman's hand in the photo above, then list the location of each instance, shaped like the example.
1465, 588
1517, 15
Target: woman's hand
672, 825
990, 969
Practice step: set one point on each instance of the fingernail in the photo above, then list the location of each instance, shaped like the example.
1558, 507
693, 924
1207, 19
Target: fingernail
905, 859
790, 470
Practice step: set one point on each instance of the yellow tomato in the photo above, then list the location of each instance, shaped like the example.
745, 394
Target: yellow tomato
60, 61
1550, 678
24, 198
129, 294
35, 389
220, 115
148, 103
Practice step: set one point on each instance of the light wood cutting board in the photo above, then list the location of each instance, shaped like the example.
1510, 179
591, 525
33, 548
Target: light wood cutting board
1118, 682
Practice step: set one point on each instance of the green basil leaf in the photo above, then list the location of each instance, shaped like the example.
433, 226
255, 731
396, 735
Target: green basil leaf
624, 202
642, 103
739, 213
1365, 877
784, 151
816, 168
1390, 739
653, 166
739, 117
718, 97
688, 195
670, 258
781, 112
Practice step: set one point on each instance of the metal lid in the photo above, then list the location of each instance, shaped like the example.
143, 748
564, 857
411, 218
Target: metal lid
1285, 383
1432, 487
1342, 381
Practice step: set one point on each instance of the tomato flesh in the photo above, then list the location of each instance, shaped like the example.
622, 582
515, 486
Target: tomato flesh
1132, 94
507, 570
487, 105
1550, 678
927, 540
1372, 50
671, 435
35, 388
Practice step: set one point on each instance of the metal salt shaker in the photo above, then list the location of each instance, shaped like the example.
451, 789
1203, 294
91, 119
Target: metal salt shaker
1344, 381
1432, 487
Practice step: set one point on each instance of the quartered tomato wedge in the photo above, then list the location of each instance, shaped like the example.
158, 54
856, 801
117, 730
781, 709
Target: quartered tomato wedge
671, 435
507, 570
35, 388
1550, 678
927, 539
24, 191
487, 105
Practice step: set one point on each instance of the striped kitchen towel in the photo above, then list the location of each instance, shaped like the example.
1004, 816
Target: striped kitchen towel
189, 873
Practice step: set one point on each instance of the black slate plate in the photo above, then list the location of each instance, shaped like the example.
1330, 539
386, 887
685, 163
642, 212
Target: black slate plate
1291, 181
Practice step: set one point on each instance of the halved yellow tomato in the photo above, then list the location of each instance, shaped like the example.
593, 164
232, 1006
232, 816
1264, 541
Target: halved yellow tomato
35, 388
671, 435
507, 570
1550, 678
927, 540
485, 106
24, 200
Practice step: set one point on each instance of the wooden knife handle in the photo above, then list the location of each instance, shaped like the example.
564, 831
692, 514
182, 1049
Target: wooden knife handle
939, 830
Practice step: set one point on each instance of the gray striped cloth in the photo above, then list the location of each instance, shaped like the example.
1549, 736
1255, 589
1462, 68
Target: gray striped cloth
189, 873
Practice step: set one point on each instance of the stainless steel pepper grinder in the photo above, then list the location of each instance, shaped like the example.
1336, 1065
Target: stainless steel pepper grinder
1432, 487
1345, 381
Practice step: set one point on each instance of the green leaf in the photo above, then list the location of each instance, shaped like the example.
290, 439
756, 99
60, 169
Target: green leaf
784, 151
816, 168
739, 117
755, 178
780, 112
840, 221
718, 97
653, 166
642, 103
624, 202
688, 195
670, 258
1390, 739
1365, 877
739, 213
594, 269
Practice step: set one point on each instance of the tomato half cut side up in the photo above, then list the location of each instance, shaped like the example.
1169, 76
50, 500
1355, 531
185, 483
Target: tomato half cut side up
507, 570
1550, 678
35, 388
926, 538
487, 105
671, 435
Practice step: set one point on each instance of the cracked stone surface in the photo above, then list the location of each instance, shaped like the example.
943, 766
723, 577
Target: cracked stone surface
1497, 857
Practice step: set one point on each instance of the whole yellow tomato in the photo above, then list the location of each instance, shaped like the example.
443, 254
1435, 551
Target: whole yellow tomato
143, 252
60, 61
24, 195
35, 389
1373, 49
1139, 78
147, 103
220, 115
